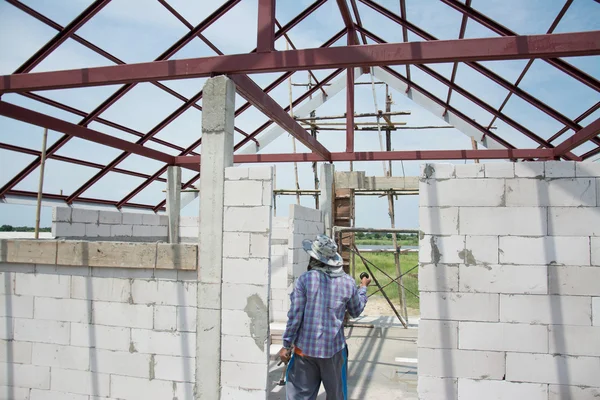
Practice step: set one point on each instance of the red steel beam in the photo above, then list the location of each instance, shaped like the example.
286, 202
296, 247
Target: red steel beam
478, 102
289, 40
165, 122
358, 19
580, 137
54, 196
266, 26
553, 26
256, 132
102, 121
63, 35
405, 36
249, 90
118, 94
287, 108
591, 153
348, 22
71, 160
55, 124
463, 50
580, 118
502, 30
350, 103
240, 110
459, 114
385, 156
461, 35
480, 68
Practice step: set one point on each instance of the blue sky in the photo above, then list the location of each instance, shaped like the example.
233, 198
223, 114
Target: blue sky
140, 30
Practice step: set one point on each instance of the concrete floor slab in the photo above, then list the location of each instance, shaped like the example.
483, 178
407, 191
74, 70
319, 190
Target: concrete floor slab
381, 365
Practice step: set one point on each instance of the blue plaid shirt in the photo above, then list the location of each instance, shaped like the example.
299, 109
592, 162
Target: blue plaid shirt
316, 316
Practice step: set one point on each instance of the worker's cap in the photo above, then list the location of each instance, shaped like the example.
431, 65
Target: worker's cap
324, 249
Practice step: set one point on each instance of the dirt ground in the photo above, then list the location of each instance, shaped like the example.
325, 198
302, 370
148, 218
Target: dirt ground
378, 306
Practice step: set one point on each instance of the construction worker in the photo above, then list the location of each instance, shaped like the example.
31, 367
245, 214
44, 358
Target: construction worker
314, 345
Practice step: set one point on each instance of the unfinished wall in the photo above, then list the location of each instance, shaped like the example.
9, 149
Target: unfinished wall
80, 223
279, 268
245, 318
70, 332
509, 281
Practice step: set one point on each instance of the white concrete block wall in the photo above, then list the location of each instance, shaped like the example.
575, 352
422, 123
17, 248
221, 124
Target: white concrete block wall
87, 333
509, 271
280, 233
247, 247
304, 223
80, 223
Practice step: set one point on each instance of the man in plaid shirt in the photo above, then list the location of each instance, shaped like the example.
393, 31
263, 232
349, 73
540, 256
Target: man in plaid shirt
314, 342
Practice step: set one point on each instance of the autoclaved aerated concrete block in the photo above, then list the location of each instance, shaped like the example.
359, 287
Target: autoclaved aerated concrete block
545, 309
437, 171
432, 388
84, 215
559, 169
61, 214
529, 170
243, 193
463, 193
438, 334
469, 170
500, 170
438, 220
574, 221
459, 306
453, 363
481, 250
110, 217
546, 250
574, 280
471, 389
574, 340
438, 278
503, 337
503, 279
514, 221
566, 192
552, 369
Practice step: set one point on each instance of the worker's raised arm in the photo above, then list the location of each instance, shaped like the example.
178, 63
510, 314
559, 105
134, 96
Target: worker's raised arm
295, 314
358, 300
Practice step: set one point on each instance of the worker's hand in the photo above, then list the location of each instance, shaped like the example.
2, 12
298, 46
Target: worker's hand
365, 281
285, 354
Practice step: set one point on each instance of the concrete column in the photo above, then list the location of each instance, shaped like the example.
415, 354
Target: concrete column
327, 196
217, 154
173, 201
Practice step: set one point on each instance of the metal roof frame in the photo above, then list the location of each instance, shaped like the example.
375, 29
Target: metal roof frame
549, 47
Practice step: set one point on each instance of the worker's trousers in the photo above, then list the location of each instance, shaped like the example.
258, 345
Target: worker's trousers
305, 374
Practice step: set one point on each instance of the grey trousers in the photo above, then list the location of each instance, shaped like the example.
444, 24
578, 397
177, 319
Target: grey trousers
305, 374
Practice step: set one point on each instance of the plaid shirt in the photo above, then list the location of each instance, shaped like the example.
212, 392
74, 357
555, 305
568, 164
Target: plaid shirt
316, 316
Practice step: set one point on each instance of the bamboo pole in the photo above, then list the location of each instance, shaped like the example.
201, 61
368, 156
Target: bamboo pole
40, 185
372, 128
356, 115
274, 190
474, 145
344, 124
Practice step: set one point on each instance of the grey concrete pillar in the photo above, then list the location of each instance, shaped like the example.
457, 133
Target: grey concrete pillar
327, 196
217, 153
173, 201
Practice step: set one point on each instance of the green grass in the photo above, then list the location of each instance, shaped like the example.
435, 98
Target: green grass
382, 242
385, 261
